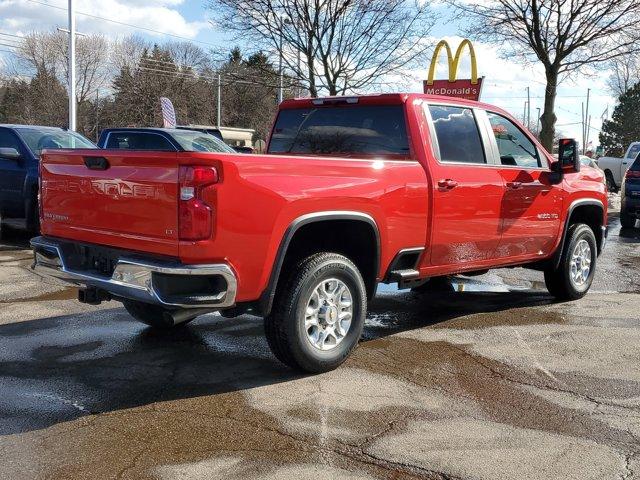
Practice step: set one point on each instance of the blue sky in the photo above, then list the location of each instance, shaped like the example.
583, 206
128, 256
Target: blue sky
505, 80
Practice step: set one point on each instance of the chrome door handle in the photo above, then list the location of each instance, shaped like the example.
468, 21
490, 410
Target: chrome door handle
514, 185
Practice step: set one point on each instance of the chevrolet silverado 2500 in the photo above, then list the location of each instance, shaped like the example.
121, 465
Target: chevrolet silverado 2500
353, 191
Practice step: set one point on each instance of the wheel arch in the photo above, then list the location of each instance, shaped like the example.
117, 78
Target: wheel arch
306, 225
589, 211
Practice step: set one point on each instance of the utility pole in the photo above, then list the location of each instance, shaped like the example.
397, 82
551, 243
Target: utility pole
281, 89
524, 113
528, 108
219, 110
586, 116
72, 67
538, 122
583, 128
97, 115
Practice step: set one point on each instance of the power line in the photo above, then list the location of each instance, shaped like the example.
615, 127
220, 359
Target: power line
11, 35
118, 22
209, 79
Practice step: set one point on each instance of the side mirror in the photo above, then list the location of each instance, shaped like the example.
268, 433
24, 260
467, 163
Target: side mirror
568, 156
9, 153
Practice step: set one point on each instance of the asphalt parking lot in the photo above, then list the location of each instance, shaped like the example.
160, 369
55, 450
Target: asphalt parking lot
493, 381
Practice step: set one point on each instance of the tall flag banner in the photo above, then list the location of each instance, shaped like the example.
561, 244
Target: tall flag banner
168, 113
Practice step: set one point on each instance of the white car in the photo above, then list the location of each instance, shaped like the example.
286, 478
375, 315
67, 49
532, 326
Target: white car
614, 168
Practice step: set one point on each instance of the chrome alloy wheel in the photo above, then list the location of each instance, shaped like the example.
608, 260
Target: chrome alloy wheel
580, 263
328, 314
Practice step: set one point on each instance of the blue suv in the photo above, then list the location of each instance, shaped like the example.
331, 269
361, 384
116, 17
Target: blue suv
630, 192
20, 147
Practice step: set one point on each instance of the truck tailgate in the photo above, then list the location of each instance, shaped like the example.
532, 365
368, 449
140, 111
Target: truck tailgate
110, 197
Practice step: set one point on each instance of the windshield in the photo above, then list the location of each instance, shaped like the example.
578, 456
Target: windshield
373, 129
200, 142
39, 139
633, 151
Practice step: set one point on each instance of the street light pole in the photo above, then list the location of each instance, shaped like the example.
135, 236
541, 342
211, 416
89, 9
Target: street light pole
72, 67
219, 105
281, 89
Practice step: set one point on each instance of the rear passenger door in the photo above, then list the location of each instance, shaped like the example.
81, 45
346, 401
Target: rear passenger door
467, 191
531, 204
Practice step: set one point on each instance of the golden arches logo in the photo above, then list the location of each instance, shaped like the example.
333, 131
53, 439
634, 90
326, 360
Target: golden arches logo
453, 61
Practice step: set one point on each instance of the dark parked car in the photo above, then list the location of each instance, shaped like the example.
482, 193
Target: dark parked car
20, 147
630, 193
161, 140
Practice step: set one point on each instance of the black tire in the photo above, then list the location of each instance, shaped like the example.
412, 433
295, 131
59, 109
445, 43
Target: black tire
285, 325
559, 281
626, 220
611, 183
151, 315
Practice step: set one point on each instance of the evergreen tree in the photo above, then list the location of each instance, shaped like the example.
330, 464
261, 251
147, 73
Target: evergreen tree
42, 100
623, 128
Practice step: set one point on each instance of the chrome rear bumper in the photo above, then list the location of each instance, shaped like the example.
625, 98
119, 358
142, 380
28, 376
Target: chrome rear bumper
138, 279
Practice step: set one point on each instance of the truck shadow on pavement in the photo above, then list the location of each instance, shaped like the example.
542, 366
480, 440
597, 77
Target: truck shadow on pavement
61, 368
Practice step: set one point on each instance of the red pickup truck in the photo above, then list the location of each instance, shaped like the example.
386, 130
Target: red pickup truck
353, 191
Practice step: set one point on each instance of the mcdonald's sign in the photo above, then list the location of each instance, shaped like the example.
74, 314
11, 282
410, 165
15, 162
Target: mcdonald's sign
452, 87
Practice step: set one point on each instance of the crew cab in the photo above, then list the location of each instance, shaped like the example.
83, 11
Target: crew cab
615, 168
20, 147
353, 191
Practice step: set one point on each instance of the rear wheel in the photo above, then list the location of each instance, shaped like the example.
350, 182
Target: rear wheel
574, 275
318, 316
626, 220
152, 315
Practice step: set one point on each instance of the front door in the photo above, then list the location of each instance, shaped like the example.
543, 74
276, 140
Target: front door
467, 192
531, 204
12, 177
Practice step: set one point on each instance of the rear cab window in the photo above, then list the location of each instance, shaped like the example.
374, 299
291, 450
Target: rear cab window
342, 130
138, 141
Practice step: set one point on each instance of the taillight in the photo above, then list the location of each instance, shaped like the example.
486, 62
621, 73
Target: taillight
632, 174
195, 217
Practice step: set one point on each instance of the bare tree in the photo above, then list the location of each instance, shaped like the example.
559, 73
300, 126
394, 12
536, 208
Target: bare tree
625, 73
565, 36
337, 46
40, 51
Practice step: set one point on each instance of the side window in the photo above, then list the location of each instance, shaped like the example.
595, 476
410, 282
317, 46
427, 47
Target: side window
514, 146
139, 141
8, 139
458, 135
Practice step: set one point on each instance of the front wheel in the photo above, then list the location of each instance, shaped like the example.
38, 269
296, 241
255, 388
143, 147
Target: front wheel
574, 275
318, 315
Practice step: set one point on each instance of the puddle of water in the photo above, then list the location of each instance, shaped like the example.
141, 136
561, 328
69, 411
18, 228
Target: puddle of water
70, 293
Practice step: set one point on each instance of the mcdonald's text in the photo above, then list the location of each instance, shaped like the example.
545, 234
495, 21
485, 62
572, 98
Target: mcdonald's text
465, 89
